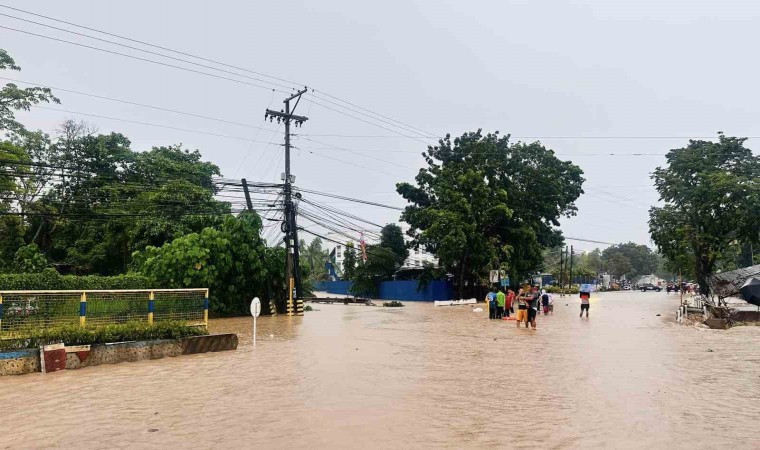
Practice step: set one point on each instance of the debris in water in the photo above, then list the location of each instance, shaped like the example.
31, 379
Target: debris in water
152, 430
658, 315
710, 350
477, 310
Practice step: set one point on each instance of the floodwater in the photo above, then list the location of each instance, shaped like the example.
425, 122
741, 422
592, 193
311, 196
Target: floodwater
416, 377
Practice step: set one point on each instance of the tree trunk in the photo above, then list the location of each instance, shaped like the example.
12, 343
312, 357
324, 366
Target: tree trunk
704, 269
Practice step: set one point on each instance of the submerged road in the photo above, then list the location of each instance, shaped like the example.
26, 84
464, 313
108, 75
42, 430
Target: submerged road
416, 377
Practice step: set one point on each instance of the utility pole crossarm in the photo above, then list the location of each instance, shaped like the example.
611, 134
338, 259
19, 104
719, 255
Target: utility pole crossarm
282, 116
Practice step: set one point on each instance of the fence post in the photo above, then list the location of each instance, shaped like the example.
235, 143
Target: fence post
83, 309
205, 309
151, 303
1, 315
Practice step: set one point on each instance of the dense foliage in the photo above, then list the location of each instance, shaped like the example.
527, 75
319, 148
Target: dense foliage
89, 204
483, 200
383, 260
315, 257
630, 259
349, 262
711, 192
49, 279
231, 261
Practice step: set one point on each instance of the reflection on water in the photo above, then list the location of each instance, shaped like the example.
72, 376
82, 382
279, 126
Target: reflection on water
355, 376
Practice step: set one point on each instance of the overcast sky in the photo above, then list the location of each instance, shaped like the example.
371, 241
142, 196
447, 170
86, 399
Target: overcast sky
655, 72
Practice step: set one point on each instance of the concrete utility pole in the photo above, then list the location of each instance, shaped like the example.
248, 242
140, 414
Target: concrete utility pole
561, 267
248, 202
292, 263
570, 274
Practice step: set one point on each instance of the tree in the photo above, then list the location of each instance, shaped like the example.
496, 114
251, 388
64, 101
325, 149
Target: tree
641, 259
380, 266
392, 238
146, 198
229, 261
481, 200
13, 98
349, 262
315, 256
29, 259
711, 192
619, 265
11, 240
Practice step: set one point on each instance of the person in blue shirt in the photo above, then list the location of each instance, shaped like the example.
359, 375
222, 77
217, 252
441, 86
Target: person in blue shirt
492, 304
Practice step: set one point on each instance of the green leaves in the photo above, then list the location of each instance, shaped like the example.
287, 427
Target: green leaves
711, 192
13, 98
482, 200
230, 261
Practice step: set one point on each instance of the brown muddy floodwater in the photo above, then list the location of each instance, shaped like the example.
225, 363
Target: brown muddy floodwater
417, 377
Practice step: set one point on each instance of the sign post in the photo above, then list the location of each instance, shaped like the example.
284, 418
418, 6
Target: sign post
255, 311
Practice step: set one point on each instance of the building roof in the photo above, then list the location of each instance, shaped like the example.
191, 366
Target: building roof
727, 284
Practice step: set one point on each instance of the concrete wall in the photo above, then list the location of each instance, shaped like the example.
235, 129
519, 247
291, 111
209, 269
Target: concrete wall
405, 290
28, 360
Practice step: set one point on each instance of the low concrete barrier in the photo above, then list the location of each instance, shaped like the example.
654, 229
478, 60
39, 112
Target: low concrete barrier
20, 361
28, 360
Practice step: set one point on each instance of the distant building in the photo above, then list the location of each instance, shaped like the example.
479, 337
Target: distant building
337, 252
651, 279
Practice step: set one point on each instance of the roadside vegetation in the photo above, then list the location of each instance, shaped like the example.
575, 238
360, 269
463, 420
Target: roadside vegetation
102, 334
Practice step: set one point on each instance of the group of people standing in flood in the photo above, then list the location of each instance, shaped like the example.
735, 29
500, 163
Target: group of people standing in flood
529, 301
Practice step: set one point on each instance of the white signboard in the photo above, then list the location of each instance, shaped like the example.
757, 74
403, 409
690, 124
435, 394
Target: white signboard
256, 307
255, 311
494, 276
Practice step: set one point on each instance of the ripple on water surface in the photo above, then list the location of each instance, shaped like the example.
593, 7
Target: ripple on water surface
419, 376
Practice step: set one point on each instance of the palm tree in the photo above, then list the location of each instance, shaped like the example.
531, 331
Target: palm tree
315, 256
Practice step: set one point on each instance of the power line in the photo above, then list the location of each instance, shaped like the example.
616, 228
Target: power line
366, 121
577, 137
342, 197
385, 161
146, 51
428, 134
143, 105
149, 44
375, 116
141, 59
588, 240
119, 119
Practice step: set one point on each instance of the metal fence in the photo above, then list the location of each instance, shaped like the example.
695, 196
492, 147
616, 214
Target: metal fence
22, 312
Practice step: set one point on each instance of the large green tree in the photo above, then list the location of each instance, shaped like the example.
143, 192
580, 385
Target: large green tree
229, 260
482, 200
711, 195
641, 260
111, 201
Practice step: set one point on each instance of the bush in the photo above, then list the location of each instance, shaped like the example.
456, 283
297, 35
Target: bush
393, 304
51, 280
130, 331
558, 290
